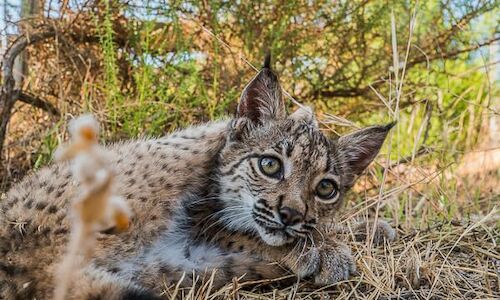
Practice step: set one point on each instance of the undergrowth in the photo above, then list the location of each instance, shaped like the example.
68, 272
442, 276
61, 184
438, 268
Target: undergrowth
447, 215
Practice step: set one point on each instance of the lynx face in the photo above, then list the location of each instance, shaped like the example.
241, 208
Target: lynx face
280, 175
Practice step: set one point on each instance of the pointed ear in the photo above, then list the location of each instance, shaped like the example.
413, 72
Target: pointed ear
357, 150
261, 99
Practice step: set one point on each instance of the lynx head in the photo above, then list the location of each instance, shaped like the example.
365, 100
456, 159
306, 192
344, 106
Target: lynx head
279, 174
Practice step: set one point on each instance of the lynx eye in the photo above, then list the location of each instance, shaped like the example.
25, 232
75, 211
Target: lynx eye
270, 166
326, 189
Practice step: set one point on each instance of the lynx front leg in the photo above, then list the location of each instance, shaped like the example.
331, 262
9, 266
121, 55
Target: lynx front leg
330, 261
325, 261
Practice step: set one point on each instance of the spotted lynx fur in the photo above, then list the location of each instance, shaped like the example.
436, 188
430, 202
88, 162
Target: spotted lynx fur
245, 196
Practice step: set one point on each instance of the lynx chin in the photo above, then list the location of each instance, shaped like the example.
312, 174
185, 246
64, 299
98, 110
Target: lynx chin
245, 196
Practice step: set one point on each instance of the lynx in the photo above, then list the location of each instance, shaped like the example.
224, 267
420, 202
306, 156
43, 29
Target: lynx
245, 197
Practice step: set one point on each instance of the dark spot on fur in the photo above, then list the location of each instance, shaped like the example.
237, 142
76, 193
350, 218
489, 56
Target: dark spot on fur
131, 181
9, 204
114, 270
62, 185
110, 230
129, 172
59, 193
50, 189
12, 270
52, 209
40, 205
61, 230
28, 204
143, 199
241, 248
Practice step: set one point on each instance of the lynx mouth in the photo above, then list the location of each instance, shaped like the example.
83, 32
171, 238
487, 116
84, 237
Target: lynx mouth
273, 232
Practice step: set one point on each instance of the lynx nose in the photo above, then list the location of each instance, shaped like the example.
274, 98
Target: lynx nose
290, 216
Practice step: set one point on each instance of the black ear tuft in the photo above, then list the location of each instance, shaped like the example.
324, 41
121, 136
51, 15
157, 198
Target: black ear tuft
357, 150
390, 125
267, 60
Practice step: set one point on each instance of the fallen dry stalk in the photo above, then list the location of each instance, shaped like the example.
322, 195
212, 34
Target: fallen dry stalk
97, 208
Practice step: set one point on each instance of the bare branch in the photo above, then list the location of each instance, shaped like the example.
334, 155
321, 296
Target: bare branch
37, 102
8, 95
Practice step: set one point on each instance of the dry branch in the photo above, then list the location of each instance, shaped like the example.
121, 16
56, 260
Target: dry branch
8, 96
37, 102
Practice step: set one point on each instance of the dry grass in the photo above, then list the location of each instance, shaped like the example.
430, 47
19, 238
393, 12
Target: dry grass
448, 260
448, 223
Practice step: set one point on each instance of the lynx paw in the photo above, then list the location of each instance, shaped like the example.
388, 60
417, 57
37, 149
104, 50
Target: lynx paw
336, 264
383, 231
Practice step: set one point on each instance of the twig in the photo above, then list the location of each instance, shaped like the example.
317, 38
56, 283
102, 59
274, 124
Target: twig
37, 102
423, 130
423, 150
